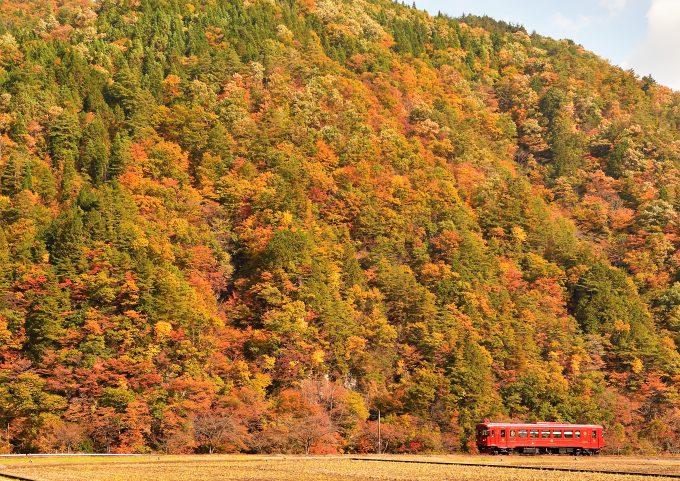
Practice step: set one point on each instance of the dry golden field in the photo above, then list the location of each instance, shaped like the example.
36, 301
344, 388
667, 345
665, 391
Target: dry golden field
327, 468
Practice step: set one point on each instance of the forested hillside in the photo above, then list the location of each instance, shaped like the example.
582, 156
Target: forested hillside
250, 225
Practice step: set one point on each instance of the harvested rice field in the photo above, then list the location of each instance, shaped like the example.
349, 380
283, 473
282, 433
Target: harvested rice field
334, 468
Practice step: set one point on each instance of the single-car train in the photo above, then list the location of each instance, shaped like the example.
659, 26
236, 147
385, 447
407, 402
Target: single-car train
539, 438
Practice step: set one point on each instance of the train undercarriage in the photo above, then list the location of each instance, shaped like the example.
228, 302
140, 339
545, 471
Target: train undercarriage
541, 450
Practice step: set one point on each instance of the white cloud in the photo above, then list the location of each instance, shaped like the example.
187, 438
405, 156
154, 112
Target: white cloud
571, 24
613, 6
659, 54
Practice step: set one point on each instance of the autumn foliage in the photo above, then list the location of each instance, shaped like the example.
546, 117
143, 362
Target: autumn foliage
250, 226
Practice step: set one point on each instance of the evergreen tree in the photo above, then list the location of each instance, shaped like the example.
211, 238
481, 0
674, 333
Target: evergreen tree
66, 242
63, 137
46, 305
5, 264
10, 179
120, 156
95, 156
566, 146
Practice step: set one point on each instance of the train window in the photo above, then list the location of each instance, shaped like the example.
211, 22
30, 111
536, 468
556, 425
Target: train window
522, 433
557, 434
545, 434
533, 433
513, 433
502, 433
577, 434
568, 434
594, 434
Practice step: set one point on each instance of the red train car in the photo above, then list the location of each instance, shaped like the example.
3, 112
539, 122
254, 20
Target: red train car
539, 438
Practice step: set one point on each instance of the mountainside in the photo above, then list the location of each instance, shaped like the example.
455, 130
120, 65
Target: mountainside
251, 225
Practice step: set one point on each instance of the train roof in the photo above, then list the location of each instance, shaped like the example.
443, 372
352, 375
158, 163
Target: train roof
540, 425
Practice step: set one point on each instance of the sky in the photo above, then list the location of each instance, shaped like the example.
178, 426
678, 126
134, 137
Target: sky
640, 34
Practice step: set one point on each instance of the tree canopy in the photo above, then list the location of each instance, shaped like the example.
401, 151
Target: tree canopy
251, 225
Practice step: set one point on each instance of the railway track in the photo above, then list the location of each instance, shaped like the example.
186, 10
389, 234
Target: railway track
14, 477
533, 468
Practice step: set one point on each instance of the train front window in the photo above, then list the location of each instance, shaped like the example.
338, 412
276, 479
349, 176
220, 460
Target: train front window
594, 434
484, 433
545, 434
533, 433
522, 433
568, 434
557, 434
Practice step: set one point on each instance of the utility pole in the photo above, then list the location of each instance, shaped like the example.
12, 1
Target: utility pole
379, 434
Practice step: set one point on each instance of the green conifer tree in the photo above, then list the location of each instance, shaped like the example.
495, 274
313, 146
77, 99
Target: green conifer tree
120, 156
63, 136
95, 156
44, 317
10, 179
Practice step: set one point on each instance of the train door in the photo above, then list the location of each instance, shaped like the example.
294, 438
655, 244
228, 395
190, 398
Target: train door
481, 435
485, 437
